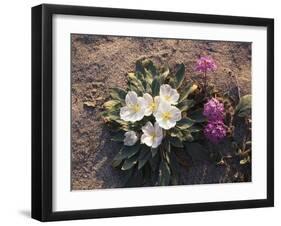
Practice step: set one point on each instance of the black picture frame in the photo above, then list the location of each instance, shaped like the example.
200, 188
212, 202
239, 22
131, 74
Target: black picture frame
42, 111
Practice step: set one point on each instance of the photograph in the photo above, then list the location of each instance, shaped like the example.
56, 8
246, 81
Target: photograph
152, 111
141, 112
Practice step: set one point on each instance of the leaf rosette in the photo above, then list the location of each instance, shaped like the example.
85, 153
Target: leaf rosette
151, 119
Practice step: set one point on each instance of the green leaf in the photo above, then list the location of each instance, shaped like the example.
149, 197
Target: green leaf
135, 84
129, 163
197, 115
154, 151
118, 94
191, 87
180, 75
116, 163
111, 104
176, 132
167, 152
148, 77
244, 106
127, 152
172, 83
149, 66
118, 137
175, 169
186, 105
155, 87
164, 174
176, 142
140, 67
179, 136
131, 76
148, 88
141, 78
113, 116
187, 136
154, 162
135, 88
185, 123
144, 156
194, 129
164, 72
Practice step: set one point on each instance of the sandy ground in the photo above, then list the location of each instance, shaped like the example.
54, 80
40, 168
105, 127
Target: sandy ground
101, 62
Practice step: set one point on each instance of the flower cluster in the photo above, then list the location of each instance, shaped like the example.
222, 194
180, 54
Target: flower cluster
161, 107
213, 110
215, 130
205, 64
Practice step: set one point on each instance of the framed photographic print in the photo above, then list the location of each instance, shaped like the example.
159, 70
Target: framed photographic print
147, 112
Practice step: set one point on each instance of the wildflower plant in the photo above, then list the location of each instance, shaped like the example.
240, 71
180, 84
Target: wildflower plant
204, 65
150, 119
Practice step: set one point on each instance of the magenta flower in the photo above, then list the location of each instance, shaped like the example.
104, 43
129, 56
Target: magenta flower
205, 64
215, 131
214, 110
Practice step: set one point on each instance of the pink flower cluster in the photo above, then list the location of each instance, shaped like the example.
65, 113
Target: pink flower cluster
205, 64
213, 110
215, 130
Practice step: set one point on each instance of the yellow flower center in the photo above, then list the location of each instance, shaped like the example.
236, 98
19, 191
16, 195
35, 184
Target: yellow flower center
152, 106
153, 136
136, 108
166, 116
167, 98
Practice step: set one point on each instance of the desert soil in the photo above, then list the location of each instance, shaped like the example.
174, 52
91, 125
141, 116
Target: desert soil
102, 62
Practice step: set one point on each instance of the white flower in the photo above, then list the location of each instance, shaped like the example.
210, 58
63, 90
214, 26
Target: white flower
151, 104
130, 138
152, 135
168, 94
167, 115
134, 109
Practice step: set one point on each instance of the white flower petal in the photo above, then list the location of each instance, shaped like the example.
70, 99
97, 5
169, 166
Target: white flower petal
148, 128
167, 115
134, 109
174, 96
170, 124
156, 104
158, 130
130, 138
164, 90
176, 113
152, 135
125, 113
134, 117
131, 98
163, 124
146, 139
168, 94
148, 102
139, 115
141, 100
156, 142
148, 97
